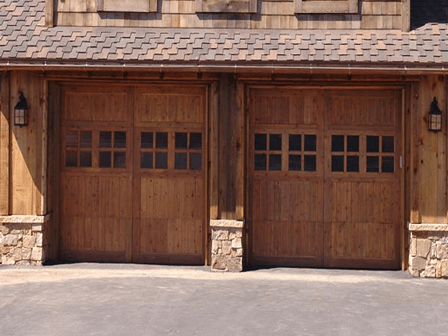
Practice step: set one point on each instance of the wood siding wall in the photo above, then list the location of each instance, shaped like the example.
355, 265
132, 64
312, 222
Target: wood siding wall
271, 14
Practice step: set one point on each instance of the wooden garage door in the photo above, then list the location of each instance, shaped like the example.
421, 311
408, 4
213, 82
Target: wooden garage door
132, 179
325, 179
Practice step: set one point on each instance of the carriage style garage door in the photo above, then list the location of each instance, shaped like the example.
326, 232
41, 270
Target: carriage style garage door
132, 173
325, 178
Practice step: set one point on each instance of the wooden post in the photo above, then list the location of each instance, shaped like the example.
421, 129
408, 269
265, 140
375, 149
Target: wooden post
406, 15
5, 145
49, 13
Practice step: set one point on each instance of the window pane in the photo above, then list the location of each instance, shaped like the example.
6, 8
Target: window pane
71, 159
295, 142
373, 144
161, 160
146, 160
181, 142
310, 163
120, 139
352, 143
260, 141
275, 162
373, 164
260, 162
295, 163
337, 143
147, 140
86, 139
105, 139
105, 159
388, 165
180, 161
388, 144
310, 143
161, 141
196, 141
353, 163
195, 161
119, 159
85, 159
337, 163
275, 142
71, 139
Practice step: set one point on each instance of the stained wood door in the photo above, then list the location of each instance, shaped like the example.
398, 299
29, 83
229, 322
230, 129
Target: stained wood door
325, 183
133, 169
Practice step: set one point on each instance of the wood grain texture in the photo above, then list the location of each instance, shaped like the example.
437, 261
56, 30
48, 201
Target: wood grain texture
5, 144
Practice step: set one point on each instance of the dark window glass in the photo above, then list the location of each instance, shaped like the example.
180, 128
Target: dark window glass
260, 141
337, 144
120, 139
161, 141
161, 160
260, 162
86, 139
353, 163
352, 143
105, 139
275, 162
388, 144
295, 142
181, 142
373, 144
196, 141
147, 139
195, 161
295, 163
373, 163
71, 139
71, 159
310, 143
146, 160
275, 142
105, 159
85, 159
119, 159
310, 162
337, 163
180, 161
387, 165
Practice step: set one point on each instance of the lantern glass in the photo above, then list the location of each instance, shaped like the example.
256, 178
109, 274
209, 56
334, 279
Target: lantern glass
435, 122
20, 117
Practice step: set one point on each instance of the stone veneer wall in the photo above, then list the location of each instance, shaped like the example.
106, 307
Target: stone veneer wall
428, 255
227, 247
22, 240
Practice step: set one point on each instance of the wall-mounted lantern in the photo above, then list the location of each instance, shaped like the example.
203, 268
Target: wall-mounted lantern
434, 117
21, 112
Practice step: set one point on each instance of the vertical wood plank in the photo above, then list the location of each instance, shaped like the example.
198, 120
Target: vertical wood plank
5, 144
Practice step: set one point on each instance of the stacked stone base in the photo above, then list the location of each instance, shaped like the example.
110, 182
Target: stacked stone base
227, 247
428, 255
21, 243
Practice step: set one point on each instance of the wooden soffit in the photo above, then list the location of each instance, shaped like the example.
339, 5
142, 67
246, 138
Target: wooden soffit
127, 6
226, 6
326, 6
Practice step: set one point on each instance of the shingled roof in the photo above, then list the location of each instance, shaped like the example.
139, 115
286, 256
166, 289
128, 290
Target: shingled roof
24, 40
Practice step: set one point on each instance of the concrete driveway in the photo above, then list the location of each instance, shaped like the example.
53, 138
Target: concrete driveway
127, 299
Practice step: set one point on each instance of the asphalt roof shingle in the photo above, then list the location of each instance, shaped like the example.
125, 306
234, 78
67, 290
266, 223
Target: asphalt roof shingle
24, 38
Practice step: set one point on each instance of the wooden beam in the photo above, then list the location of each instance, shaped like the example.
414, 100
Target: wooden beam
406, 15
5, 145
49, 13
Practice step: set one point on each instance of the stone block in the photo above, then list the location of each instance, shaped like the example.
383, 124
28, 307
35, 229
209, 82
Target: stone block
226, 247
423, 247
430, 272
36, 254
26, 254
29, 241
232, 235
413, 247
237, 252
418, 263
36, 227
444, 268
39, 239
236, 243
16, 231
24, 262
17, 254
6, 260
235, 264
441, 251
9, 240
221, 235
4, 229
4, 249
219, 263
216, 245
239, 233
